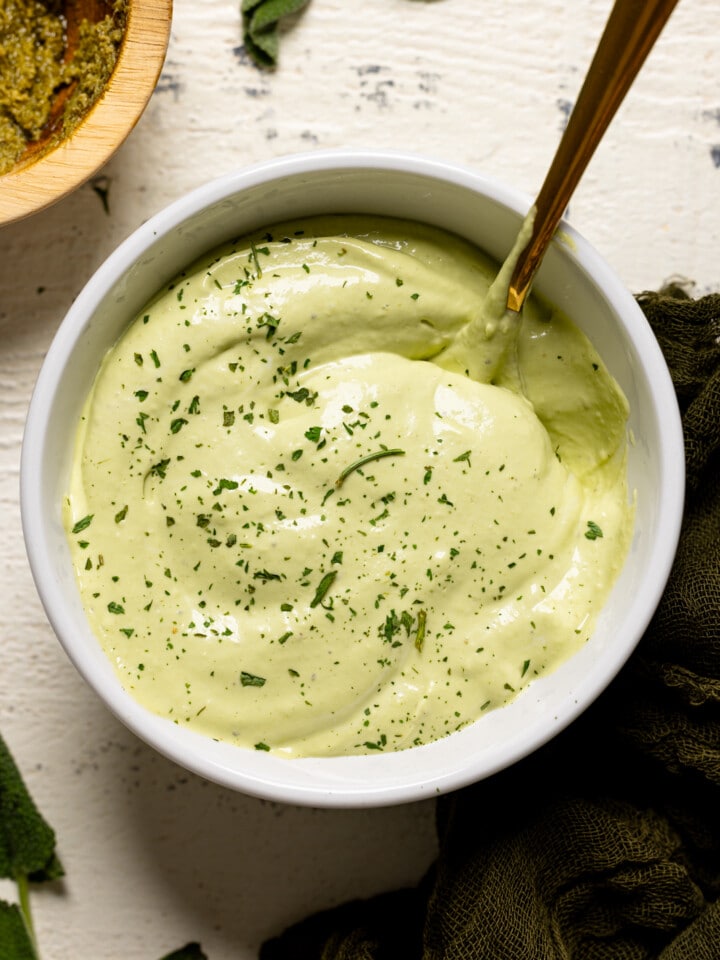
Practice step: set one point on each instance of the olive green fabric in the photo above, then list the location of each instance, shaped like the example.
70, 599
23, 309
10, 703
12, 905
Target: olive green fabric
604, 844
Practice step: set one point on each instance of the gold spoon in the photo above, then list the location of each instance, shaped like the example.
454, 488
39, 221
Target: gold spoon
631, 31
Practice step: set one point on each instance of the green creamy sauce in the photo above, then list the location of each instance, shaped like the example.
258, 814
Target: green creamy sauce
297, 526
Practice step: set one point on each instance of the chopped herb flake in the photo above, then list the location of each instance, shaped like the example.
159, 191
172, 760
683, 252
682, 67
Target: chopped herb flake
368, 458
593, 531
323, 587
251, 679
83, 524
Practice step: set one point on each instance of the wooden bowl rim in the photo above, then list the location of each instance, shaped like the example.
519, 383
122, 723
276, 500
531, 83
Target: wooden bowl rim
33, 186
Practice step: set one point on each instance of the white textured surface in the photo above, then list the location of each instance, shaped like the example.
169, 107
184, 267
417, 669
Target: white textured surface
154, 856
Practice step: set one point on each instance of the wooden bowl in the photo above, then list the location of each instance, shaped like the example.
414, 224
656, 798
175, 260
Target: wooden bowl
48, 172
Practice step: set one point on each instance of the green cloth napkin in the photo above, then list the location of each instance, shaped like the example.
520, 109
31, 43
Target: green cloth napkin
605, 843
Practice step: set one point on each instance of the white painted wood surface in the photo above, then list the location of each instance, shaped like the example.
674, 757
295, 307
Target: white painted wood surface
154, 856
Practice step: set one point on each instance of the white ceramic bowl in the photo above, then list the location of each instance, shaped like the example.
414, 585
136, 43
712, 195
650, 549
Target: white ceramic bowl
572, 276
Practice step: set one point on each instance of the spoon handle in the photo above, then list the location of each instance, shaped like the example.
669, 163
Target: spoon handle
632, 29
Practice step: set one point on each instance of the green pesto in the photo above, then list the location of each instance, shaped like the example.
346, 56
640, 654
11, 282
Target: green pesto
34, 70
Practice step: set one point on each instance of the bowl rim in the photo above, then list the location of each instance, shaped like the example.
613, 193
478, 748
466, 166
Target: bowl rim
48, 383
42, 180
